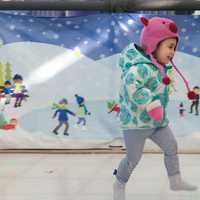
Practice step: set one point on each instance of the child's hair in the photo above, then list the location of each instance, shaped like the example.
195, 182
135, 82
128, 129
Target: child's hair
7, 82
18, 77
63, 101
196, 87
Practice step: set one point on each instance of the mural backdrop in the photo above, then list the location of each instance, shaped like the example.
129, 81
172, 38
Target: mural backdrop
59, 80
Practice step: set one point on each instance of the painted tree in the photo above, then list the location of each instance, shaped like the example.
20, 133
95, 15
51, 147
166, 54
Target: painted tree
8, 72
1, 75
1, 42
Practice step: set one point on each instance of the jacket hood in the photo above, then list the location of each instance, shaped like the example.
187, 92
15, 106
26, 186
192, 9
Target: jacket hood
135, 56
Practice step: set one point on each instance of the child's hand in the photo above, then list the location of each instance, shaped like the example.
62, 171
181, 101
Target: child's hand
155, 110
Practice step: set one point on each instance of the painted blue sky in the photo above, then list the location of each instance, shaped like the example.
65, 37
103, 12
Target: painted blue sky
97, 36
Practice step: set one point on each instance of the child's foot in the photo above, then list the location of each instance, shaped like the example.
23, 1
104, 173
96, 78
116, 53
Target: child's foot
84, 128
55, 132
118, 190
65, 133
76, 126
176, 184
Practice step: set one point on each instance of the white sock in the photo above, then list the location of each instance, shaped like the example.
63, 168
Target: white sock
176, 183
118, 190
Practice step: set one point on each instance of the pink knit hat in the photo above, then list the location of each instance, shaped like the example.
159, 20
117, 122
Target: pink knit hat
154, 31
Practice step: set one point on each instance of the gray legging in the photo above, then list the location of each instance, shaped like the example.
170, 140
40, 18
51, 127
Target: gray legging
135, 140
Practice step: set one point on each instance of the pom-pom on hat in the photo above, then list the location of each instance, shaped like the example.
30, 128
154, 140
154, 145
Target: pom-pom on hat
79, 99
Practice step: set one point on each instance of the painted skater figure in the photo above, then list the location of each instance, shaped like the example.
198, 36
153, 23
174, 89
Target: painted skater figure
63, 118
8, 91
143, 100
3, 120
181, 110
18, 90
82, 111
113, 107
4, 123
195, 102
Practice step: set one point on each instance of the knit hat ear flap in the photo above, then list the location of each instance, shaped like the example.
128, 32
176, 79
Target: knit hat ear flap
144, 21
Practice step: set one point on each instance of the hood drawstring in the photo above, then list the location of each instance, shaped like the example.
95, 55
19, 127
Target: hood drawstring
191, 94
166, 80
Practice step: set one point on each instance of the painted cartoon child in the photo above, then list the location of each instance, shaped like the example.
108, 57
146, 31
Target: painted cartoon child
181, 109
82, 111
4, 124
113, 107
10, 125
3, 120
19, 89
63, 118
1, 92
195, 102
8, 91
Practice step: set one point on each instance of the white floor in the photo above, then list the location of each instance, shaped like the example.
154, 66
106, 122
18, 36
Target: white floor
88, 177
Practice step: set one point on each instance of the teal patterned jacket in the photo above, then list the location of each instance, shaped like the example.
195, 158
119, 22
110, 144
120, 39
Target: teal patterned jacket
141, 83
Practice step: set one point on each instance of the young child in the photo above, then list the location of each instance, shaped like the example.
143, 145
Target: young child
181, 110
195, 102
113, 107
18, 90
63, 118
143, 99
8, 90
4, 123
82, 111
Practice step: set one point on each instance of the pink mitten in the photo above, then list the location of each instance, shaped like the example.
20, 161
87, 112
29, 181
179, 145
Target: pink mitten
155, 110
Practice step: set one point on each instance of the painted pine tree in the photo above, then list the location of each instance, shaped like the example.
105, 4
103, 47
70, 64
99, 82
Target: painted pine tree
8, 72
1, 42
1, 75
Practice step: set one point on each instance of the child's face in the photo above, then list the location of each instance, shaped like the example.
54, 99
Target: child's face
196, 90
7, 85
13, 121
17, 81
63, 105
165, 51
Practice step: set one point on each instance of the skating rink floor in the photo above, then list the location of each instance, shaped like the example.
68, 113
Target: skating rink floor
89, 177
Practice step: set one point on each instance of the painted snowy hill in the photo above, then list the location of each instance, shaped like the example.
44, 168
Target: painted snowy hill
52, 72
